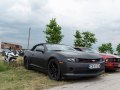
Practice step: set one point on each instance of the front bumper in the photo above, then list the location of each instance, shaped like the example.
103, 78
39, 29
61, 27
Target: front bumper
112, 66
82, 70
82, 75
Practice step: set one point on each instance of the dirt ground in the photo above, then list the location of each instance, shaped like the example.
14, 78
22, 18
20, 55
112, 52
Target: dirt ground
107, 81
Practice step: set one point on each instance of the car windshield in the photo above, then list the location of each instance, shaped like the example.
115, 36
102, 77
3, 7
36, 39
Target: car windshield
90, 50
56, 47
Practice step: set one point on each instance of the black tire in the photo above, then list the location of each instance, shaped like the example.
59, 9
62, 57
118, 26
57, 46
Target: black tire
26, 64
54, 71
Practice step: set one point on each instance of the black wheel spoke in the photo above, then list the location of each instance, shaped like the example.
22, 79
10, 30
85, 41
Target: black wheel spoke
53, 69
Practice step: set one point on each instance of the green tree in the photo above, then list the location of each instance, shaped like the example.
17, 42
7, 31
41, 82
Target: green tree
88, 39
53, 32
78, 39
106, 48
84, 39
118, 48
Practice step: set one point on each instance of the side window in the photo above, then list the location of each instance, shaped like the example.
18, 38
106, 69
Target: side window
78, 49
39, 48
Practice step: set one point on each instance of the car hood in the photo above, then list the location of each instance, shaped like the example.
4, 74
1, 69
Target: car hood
78, 54
108, 55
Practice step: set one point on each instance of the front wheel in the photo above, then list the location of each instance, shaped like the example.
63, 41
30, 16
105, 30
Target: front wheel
26, 64
54, 70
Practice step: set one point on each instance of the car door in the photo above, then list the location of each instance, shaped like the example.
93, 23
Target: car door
39, 56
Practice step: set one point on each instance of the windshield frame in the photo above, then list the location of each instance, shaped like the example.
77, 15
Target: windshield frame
65, 47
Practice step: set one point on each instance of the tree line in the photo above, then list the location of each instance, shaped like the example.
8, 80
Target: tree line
82, 39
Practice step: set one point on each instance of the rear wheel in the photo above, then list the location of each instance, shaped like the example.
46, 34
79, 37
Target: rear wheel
26, 64
54, 70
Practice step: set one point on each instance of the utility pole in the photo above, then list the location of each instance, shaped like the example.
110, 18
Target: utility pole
29, 37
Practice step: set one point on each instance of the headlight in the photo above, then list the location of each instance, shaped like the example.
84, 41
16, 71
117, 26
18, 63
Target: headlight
106, 60
71, 59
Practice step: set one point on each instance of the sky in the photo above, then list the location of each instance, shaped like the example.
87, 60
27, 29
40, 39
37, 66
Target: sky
101, 17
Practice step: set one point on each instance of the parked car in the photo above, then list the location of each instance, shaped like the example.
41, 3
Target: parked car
112, 62
11, 56
63, 61
21, 52
5, 51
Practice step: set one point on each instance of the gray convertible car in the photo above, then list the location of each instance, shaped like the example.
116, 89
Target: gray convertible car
60, 60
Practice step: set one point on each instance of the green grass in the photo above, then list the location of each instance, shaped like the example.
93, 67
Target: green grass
16, 77
3, 67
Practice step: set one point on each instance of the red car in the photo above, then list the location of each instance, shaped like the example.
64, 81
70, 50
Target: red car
112, 62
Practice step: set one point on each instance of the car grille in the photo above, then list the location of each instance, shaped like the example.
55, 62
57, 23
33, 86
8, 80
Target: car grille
88, 60
114, 60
